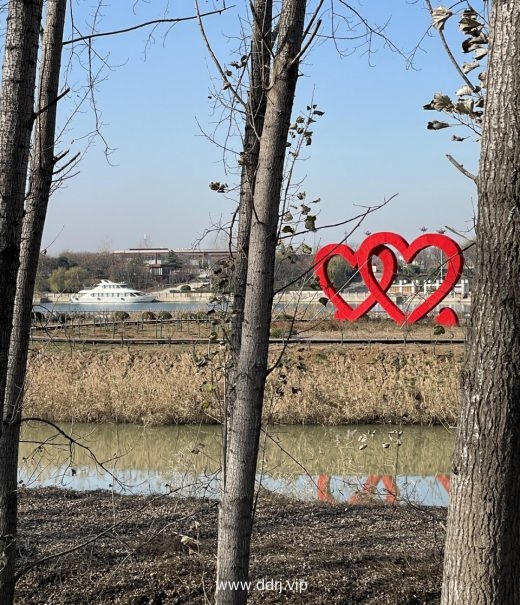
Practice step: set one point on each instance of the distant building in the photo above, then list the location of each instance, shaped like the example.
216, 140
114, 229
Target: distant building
415, 287
157, 259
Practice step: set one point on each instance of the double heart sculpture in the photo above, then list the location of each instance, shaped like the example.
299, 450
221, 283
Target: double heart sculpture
378, 245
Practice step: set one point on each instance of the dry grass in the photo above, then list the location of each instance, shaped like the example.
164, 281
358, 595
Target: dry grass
332, 385
78, 328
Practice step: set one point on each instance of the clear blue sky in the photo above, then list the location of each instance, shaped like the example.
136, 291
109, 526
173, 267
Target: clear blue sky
371, 143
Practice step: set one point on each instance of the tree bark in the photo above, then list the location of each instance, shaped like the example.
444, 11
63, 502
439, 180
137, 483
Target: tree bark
236, 507
42, 165
482, 559
254, 122
16, 121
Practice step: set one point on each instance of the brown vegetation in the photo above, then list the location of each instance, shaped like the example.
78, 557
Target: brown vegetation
196, 325
162, 551
168, 385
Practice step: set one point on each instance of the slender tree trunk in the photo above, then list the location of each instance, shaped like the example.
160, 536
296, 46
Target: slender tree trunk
482, 560
16, 121
235, 518
254, 122
33, 223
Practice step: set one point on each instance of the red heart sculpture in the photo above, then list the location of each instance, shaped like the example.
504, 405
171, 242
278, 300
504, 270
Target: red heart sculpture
343, 309
447, 317
376, 243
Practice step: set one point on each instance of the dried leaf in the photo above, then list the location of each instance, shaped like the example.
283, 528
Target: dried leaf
439, 17
436, 125
480, 53
469, 23
464, 106
310, 222
473, 43
465, 90
442, 102
323, 301
467, 67
458, 139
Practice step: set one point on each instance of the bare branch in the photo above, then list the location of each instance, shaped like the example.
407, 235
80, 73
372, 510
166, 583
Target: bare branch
461, 168
304, 48
65, 166
225, 78
450, 54
358, 219
72, 441
145, 24
56, 100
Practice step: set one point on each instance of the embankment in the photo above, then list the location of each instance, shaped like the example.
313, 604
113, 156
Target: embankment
329, 385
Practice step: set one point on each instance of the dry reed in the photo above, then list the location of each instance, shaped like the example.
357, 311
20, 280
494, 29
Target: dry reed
334, 385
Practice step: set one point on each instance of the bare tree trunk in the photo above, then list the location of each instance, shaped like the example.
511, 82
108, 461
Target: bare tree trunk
482, 560
236, 514
33, 223
16, 121
254, 122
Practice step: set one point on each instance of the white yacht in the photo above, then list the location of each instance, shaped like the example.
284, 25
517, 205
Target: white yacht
111, 292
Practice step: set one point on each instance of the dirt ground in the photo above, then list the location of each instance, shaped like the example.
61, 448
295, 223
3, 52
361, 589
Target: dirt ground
161, 551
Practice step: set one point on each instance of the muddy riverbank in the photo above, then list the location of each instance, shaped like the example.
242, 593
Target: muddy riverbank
140, 550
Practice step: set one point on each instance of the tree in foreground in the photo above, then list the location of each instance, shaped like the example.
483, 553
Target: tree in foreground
24, 196
236, 506
482, 556
16, 120
277, 48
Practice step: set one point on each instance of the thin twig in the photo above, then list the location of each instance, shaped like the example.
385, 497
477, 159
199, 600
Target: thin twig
72, 549
461, 168
215, 60
450, 54
73, 441
65, 166
58, 98
146, 24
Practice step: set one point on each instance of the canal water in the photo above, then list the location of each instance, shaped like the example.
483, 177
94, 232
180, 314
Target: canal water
53, 309
347, 464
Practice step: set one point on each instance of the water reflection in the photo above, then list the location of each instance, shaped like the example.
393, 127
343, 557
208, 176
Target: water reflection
336, 464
